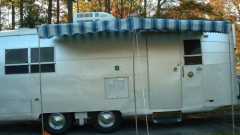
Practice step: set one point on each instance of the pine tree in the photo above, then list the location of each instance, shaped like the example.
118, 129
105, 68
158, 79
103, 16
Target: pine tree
50, 11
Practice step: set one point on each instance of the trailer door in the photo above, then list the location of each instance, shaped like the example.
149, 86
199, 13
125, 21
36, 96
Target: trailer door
164, 71
193, 98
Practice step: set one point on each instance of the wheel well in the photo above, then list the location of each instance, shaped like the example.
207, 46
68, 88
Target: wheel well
71, 115
92, 115
96, 112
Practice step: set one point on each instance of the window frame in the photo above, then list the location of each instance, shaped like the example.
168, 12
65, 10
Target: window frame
13, 65
40, 52
31, 72
17, 63
29, 63
42, 63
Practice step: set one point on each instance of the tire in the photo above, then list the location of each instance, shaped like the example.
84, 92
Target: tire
57, 123
112, 122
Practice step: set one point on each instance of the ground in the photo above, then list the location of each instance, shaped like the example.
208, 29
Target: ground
189, 126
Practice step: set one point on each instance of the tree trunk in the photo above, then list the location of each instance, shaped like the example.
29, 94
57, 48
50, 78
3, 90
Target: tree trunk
118, 9
0, 18
58, 11
121, 8
100, 5
145, 8
77, 6
13, 16
21, 12
108, 6
158, 7
70, 11
130, 8
49, 11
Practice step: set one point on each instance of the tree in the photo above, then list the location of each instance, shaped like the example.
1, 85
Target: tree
108, 6
58, 11
3, 4
70, 10
49, 11
0, 15
163, 5
125, 8
100, 5
11, 5
145, 8
219, 9
119, 8
191, 10
13, 14
21, 12
232, 9
32, 15
236, 4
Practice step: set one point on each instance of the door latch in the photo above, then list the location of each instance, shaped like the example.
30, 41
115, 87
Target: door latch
199, 68
36, 99
175, 69
190, 74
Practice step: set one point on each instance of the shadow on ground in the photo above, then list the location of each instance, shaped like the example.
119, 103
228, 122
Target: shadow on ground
191, 125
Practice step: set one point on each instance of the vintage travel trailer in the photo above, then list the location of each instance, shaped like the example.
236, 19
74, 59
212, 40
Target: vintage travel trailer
100, 72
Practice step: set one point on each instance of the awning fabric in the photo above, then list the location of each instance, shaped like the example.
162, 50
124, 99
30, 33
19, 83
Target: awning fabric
133, 25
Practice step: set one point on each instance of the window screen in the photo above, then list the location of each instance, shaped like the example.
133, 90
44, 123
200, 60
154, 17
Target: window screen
46, 54
16, 56
21, 69
47, 60
195, 60
44, 68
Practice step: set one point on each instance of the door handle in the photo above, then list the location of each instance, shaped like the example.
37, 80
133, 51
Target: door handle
190, 74
175, 69
36, 99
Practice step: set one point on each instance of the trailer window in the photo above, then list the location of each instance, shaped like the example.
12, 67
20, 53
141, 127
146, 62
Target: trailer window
21, 69
192, 47
44, 68
16, 56
16, 61
192, 52
47, 63
46, 54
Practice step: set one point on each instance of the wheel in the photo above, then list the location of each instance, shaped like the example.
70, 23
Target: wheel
107, 122
57, 123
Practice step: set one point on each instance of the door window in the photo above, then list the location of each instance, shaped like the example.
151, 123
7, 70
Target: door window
192, 52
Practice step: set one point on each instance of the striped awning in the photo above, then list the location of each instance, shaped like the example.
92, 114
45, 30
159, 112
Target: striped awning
133, 25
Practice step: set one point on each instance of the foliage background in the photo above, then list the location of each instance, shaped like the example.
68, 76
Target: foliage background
30, 13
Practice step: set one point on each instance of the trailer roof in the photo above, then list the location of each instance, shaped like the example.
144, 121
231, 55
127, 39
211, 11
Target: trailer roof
132, 25
18, 32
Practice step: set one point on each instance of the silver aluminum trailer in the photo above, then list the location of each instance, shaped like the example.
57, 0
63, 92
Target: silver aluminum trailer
109, 75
